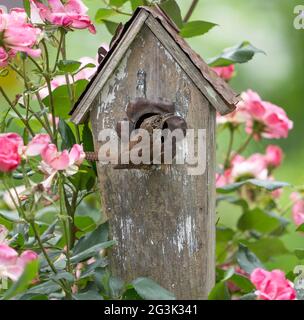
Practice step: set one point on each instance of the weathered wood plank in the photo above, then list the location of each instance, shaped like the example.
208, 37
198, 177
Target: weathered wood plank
80, 114
188, 66
163, 219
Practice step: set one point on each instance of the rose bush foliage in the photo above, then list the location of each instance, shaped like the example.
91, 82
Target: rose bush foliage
53, 239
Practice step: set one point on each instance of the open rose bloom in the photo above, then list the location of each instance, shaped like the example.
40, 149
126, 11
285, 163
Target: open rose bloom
11, 264
72, 14
17, 35
10, 145
257, 166
272, 285
263, 119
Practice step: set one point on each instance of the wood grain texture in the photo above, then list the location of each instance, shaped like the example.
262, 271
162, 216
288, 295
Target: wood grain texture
163, 219
81, 112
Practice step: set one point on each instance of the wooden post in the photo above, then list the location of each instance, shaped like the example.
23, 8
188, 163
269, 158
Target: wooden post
163, 218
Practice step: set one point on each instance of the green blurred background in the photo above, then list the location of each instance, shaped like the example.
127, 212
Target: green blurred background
277, 76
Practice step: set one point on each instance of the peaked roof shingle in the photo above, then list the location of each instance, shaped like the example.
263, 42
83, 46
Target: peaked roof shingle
229, 97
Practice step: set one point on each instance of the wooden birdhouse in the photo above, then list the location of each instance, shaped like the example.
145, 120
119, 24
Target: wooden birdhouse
162, 217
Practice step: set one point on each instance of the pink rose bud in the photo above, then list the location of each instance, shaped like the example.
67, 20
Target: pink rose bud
274, 156
27, 257
225, 73
298, 212
76, 155
37, 145
4, 57
54, 159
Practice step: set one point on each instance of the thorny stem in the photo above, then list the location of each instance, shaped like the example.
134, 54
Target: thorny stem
245, 145
45, 125
48, 82
26, 124
231, 140
37, 236
118, 10
59, 50
191, 10
65, 219
70, 87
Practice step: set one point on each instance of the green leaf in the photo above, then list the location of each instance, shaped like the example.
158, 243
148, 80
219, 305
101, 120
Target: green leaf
68, 66
84, 223
173, 11
242, 282
116, 286
91, 252
258, 220
265, 184
300, 228
249, 296
47, 287
99, 235
27, 7
111, 26
117, 3
224, 234
150, 290
67, 135
196, 28
136, 3
61, 98
247, 260
241, 53
219, 292
84, 179
30, 272
131, 294
63, 276
12, 216
268, 248
104, 14
87, 139
89, 295
299, 253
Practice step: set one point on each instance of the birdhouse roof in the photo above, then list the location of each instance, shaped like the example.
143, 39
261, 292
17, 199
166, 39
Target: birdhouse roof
215, 89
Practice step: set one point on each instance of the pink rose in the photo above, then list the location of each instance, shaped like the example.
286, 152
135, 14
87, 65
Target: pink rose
264, 119
4, 57
18, 35
274, 156
9, 151
53, 158
37, 145
76, 155
253, 167
62, 160
225, 73
72, 14
223, 179
272, 285
297, 209
11, 265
